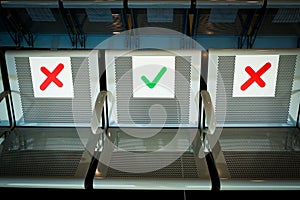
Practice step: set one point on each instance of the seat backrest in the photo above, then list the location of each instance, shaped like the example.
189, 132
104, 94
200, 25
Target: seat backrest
53, 88
255, 87
153, 88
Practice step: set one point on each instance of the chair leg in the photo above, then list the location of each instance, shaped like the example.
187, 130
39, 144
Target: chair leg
214, 176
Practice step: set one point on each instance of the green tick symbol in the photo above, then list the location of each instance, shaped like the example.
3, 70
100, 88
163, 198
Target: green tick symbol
152, 84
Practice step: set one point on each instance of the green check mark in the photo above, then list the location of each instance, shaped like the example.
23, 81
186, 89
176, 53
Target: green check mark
152, 84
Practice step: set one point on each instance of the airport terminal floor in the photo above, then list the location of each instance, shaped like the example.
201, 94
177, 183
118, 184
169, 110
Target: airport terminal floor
147, 99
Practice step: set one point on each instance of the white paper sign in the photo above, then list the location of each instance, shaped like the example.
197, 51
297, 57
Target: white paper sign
255, 75
153, 76
51, 77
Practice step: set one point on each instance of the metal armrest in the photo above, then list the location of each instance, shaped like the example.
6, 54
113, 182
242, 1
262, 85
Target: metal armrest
97, 111
10, 108
210, 117
3, 95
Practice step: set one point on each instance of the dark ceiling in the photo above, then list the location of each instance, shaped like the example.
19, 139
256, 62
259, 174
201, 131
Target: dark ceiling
195, 17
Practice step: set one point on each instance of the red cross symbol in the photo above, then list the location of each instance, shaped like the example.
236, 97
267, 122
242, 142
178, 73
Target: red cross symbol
51, 76
255, 76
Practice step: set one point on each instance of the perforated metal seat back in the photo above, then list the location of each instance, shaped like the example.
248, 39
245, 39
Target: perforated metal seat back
153, 88
53, 88
255, 87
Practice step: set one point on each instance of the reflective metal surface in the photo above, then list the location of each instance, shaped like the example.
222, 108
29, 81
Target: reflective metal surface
139, 170
259, 158
45, 158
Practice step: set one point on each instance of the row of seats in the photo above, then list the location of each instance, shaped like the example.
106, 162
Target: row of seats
150, 119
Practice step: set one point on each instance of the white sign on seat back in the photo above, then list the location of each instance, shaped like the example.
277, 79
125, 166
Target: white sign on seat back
255, 87
53, 88
153, 88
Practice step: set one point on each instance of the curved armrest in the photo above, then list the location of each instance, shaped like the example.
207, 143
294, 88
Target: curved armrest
97, 111
210, 117
3, 95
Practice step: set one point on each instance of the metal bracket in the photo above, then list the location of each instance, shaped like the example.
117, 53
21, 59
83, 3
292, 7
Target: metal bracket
189, 26
245, 25
251, 27
72, 26
128, 17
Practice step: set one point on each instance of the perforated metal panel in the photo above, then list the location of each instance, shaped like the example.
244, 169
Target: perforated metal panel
45, 110
263, 165
139, 108
39, 163
280, 110
127, 110
43, 152
251, 109
183, 167
49, 111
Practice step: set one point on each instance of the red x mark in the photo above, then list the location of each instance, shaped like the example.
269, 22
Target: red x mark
255, 76
51, 76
